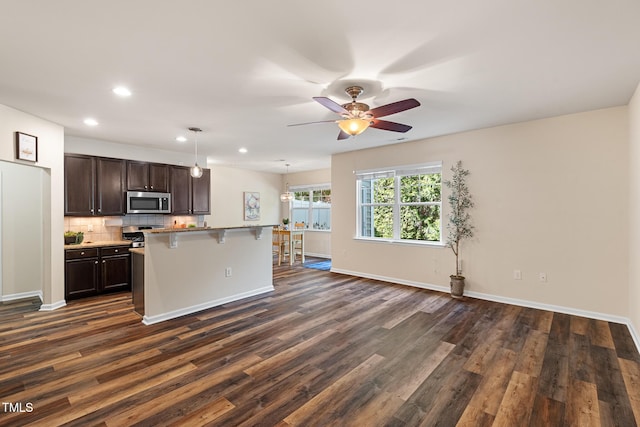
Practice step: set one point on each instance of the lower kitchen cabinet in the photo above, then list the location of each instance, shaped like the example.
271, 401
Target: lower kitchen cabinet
92, 271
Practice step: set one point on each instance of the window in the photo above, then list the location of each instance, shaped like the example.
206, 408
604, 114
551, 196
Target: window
402, 204
312, 205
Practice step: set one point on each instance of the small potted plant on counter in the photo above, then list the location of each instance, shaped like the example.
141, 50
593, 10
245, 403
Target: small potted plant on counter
285, 221
73, 237
459, 226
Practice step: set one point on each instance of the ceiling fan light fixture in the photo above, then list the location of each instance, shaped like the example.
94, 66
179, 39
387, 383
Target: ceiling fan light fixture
354, 126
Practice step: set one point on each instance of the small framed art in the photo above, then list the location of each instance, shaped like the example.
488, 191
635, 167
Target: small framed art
251, 206
26, 147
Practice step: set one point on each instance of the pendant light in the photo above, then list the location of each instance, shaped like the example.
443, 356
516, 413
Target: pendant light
287, 195
196, 171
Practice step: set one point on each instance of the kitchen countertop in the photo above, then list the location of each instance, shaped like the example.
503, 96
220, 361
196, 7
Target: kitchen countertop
102, 243
139, 251
182, 230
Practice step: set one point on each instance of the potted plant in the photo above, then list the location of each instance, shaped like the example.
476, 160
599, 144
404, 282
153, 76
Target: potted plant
73, 237
285, 221
459, 226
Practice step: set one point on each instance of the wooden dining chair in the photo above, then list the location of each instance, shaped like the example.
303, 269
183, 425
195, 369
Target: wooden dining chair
297, 240
277, 247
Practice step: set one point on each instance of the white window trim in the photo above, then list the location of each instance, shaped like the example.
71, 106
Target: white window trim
313, 187
396, 172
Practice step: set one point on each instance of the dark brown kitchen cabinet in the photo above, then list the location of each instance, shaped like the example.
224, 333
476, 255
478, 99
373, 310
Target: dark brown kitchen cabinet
94, 271
143, 176
189, 196
201, 193
116, 269
93, 185
81, 273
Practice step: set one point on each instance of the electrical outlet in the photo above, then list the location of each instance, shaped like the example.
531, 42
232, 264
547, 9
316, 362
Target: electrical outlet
517, 275
90, 228
543, 277
227, 272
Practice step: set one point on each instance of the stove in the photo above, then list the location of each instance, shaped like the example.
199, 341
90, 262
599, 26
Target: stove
134, 234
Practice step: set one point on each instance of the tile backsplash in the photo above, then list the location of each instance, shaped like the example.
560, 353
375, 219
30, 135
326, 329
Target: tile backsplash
102, 232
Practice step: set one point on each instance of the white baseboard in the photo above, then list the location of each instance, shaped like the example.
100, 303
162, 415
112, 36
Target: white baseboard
150, 320
506, 300
54, 306
22, 295
316, 255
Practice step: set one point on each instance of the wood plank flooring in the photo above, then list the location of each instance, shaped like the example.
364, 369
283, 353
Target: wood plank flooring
324, 349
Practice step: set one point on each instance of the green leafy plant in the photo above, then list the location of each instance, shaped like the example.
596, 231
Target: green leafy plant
285, 221
459, 226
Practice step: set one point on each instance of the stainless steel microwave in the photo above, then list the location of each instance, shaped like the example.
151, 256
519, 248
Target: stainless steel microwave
143, 202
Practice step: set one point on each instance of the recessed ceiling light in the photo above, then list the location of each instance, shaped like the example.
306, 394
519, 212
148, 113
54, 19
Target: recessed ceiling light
242, 150
90, 122
122, 91
181, 139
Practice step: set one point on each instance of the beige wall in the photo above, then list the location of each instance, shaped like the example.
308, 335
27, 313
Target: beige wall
50, 174
227, 199
551, 196
634, 212
317, 243
22, 230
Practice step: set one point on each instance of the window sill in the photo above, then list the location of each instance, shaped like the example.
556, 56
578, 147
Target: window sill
402, 242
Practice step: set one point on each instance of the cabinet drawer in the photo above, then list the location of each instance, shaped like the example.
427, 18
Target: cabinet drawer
115, 250
80, 253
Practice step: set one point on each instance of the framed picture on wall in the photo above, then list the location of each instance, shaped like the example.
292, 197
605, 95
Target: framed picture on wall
26, 147
251, 206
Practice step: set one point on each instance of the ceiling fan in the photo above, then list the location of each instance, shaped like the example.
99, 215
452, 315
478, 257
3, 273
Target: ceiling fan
357, 117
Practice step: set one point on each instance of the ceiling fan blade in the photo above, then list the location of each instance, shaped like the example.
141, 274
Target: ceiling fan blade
312, 123
343, 135
330, 104
392, 126
394, 107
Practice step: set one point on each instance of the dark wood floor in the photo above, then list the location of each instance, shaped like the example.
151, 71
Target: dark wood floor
323, 349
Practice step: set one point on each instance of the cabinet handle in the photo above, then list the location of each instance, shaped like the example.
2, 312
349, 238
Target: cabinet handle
152, 187
91, 210
96, 262
116, 250
81, 253
99, 210
103, 261
145, 187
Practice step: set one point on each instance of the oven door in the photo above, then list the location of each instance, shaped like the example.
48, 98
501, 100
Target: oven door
139, 202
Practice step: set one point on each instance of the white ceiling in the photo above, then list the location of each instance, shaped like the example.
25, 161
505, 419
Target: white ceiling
243, 70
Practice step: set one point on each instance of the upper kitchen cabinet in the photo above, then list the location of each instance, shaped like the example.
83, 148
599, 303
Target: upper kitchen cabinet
143, 176
189, 196
93, 185
201, 193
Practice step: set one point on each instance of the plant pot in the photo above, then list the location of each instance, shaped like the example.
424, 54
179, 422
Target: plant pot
457, 286
69, 240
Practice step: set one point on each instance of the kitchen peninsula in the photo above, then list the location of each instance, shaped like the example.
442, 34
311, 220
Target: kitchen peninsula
191, 269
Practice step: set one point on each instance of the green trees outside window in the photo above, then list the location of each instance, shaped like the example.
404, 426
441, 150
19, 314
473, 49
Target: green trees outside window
401, 206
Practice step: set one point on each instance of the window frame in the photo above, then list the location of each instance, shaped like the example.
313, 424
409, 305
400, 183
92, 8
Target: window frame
310, 209
397, 173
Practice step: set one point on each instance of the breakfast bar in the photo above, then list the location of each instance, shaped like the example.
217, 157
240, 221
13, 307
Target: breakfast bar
191, 269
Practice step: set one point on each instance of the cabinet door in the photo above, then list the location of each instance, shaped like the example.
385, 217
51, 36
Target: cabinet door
158, 177
137, 176
116, 273
202, 193
81, 278
79, 185
110, 174
180, 190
